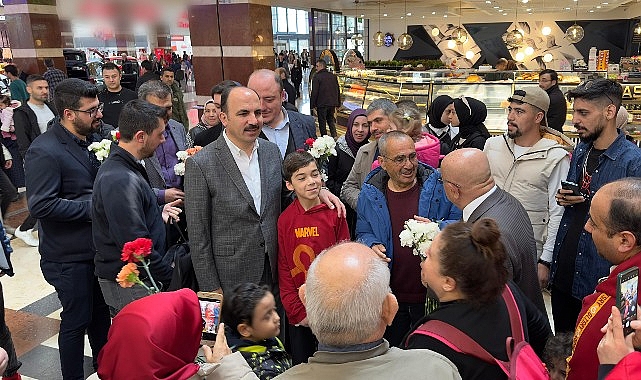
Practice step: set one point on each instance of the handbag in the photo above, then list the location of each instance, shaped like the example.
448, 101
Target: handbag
179, 258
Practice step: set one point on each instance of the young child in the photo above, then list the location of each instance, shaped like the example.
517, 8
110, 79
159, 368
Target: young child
557, 349
305, 229
16, 171
252, 324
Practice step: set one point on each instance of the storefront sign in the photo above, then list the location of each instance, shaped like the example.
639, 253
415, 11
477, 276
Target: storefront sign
631, 91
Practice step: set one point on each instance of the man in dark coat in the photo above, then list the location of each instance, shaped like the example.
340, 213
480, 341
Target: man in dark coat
325, 97
548, 80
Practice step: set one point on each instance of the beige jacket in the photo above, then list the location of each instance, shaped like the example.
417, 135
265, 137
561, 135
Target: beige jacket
528, 178
362, 166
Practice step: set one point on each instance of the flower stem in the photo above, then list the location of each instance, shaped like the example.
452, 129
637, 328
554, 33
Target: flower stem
155, 287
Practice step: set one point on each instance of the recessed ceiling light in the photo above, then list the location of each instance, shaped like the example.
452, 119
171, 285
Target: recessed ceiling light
591, 11
605, 3
384, 14
504, 14
496, 7
409, 13
423, 16
433, 13
402, 17
529, 13
525, 1
488, 2
568, 9
500, 10
445, 16
529, 10
598, 7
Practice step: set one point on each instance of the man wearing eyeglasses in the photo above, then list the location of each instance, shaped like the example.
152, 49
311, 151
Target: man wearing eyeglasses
400, 189
167, 185
60, 172
602, 156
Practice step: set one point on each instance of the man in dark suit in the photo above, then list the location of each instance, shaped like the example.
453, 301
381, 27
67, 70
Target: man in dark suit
470, 186
325, 97
233, 192
167, 185
287, 129
60, 172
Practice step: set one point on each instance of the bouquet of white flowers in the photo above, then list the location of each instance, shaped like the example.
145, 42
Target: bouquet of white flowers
182, 155
100, 149
321, 148
418, 236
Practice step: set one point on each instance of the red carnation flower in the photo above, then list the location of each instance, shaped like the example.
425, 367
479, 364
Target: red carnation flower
133, 251
310, 141
118, 135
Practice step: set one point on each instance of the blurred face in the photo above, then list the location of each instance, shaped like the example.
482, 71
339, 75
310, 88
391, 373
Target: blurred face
360, 128
400, 162
558, 369
589, 119
153, 140
243, 119
167, 77
210, 115
162, 102
86, 120
112, 79
265, 321
306, 182
445, 118
431, 268
38, 91
378, 123
521, 119
545, 81
271, 97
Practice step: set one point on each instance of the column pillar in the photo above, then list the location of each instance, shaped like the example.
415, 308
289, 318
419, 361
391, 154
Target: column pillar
66, 34
34, 33
229, 41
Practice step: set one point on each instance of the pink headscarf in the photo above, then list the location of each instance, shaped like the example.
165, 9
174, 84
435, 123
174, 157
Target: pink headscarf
156, 337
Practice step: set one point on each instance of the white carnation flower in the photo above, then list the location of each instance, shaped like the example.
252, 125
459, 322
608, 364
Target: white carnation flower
179, 168
182, 155
407, 238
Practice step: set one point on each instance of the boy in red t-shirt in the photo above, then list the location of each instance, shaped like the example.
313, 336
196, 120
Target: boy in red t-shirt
305, 229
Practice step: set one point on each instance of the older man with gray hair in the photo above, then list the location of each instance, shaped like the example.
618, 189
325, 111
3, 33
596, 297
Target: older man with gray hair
349, 305
378, 118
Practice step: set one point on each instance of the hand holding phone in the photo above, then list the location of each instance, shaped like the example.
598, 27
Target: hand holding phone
567, 185
627, 297
210, 306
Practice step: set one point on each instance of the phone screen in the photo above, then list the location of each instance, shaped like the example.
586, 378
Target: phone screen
210, 311
627, 297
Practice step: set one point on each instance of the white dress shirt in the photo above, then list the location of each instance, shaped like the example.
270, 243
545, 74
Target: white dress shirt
279, 134
469, 209
249, 168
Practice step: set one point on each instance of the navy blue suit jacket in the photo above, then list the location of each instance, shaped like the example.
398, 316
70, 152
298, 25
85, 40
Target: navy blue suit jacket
59, 180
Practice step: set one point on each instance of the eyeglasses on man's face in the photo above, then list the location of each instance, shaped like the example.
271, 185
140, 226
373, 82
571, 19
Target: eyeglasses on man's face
402, 159
93, 112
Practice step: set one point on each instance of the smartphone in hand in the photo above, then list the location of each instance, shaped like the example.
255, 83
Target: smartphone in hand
567, 185
627, 297
210, 306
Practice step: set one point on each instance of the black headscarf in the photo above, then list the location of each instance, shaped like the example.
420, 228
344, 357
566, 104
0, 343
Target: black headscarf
438, 106
471, 117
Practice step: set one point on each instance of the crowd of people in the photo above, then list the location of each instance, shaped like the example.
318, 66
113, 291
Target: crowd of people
315, 280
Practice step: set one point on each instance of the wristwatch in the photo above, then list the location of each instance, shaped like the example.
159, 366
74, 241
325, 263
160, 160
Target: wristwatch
546, 263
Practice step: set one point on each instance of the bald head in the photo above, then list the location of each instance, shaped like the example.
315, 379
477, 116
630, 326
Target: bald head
466, 167
261, 77
466, 174
345, 295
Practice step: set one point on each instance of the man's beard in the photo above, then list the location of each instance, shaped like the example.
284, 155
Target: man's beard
592, 136
517, 132
84, 129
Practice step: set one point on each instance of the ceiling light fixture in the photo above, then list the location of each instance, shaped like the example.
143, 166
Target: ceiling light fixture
459, 34
545, 30
514, 38
379, 37
575, 33
357, 38
405, 40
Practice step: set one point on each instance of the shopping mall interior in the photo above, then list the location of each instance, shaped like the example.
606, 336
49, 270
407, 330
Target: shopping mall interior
399, 49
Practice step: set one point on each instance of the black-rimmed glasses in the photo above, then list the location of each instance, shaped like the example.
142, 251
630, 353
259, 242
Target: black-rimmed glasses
93, 111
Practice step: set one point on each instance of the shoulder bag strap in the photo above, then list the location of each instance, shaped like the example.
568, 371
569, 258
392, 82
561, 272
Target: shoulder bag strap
515, 315
458, 341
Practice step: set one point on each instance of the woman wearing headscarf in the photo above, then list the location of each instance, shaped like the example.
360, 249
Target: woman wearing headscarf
347, 146
469, 116
465, 268
208, 120
155, 337
439, 121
